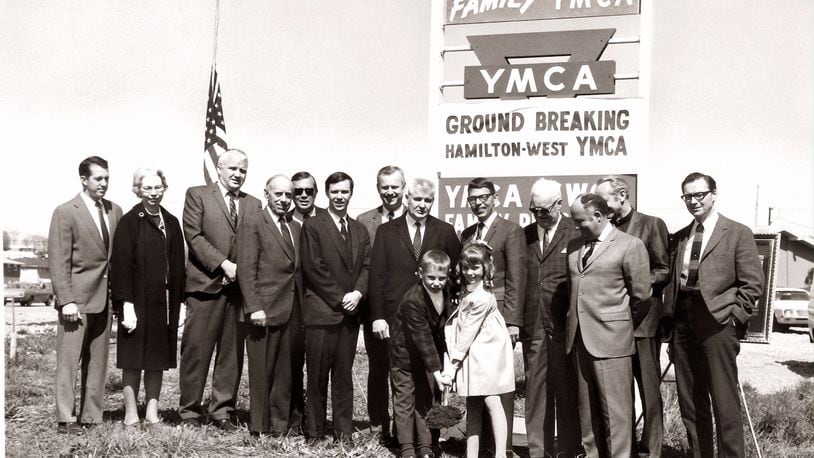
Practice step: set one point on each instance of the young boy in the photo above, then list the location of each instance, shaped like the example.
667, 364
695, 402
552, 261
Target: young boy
416, 354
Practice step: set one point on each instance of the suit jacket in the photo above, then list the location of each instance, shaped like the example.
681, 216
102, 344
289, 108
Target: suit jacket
393, 267
417, 334
211, 235
602, 295
268, 267
372, 219
730, 275
654, 234
330, 270
509, 256
547, 279
77, 258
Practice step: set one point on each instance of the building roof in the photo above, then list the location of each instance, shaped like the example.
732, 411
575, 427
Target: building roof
792, 233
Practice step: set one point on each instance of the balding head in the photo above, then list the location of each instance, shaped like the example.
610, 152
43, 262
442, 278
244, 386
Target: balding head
546, 202
279, 192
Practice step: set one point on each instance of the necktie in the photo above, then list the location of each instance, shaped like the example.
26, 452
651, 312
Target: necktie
479, 234
343, 229
545, 240
286, 233
695, 256
588, 252
390, 216
232, 208
105, 233
306, 216
417, 241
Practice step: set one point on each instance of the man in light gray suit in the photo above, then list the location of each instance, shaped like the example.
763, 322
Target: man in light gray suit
79, 242
608, 276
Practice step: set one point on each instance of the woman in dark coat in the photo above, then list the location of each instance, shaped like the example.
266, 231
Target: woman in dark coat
147, 284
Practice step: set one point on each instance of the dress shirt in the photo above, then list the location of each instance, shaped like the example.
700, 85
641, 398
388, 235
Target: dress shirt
225, 194
411, 227
599, 239
709, 225
336, 219
396, 213
276, 220
486, 225
94, 212
541, 232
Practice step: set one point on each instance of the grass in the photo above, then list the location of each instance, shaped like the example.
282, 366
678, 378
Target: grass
784, 421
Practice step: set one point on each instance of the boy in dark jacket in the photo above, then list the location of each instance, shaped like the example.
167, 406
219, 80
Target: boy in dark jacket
417, 352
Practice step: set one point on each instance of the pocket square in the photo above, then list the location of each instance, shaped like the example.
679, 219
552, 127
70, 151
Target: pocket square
564, 250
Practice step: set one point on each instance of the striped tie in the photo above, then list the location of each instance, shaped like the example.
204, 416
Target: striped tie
417, 241
695, 256
232, 208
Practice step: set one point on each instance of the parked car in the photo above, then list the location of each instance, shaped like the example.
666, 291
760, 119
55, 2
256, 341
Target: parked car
811, 314
790, 308
26, 294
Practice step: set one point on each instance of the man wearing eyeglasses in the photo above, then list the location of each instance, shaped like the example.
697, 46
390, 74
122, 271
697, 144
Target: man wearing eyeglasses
305, 196
716, 280
646, 365
509, 256
543, 332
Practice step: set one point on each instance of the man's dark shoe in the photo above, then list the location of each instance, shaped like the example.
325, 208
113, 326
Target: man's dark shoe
191, 422
69, 428
386, 440
224, 425
313, 440
345, 440
295, 431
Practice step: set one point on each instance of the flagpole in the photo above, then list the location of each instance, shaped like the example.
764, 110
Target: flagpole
215, 43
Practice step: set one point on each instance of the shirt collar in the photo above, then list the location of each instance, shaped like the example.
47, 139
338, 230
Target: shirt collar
88, 201
224, 191
489, 221
605, 232
709, 222
336, 217
396, 213
274, 217
411, 221
625, 218
551, 230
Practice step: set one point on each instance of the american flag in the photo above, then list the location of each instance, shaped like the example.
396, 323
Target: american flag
215, 137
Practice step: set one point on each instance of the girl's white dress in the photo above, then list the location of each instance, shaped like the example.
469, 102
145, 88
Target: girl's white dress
476, 335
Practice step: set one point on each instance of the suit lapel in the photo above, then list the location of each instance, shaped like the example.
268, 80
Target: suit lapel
601, 248
85, 216
220, 199
717, 234
555, 239
112, 217
277, 235
355, 237
405, 235
333, 233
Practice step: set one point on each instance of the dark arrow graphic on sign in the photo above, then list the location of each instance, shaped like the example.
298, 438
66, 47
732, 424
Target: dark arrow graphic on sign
580, 73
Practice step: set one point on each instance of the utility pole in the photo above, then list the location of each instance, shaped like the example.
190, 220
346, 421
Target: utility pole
757, 202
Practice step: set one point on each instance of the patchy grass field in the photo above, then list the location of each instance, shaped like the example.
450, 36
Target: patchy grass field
784, 420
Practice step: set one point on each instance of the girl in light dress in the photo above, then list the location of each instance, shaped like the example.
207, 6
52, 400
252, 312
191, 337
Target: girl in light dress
480, 349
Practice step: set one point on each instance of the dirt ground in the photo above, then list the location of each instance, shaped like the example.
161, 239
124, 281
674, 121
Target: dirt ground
787, 359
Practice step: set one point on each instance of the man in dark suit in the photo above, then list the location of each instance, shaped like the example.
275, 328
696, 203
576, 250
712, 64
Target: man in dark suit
715, 282
509, 256
646, 364
268, 266
390, 184
335, 251
398, 247
608, 276
305, 196
212, 215
543, 333
79, 241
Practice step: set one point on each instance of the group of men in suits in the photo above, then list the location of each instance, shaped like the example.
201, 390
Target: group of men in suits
590, 297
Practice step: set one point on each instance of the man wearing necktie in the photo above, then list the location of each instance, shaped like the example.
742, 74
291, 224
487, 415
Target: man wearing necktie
509, 256
78, 257
396, 250
335, 261
212, 216
646, 365
551, 393
390, 185
716, 280
268, 265
608, 276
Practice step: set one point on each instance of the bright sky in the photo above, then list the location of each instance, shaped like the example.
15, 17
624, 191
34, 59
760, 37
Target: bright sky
326, 86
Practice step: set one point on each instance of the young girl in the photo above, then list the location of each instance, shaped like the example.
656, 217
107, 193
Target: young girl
480, 349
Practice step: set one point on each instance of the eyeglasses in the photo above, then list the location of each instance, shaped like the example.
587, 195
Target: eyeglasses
542, 212
483, 198
159, 188
307, 191
698, 196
